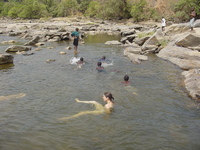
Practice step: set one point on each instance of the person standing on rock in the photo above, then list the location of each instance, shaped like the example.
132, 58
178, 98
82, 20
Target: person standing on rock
75, 35
163, 23
192, 19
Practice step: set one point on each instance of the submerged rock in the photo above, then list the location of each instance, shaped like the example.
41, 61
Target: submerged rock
113, 43
6, 59
17, 48
192, 82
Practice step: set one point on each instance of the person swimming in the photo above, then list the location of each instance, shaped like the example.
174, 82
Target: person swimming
103, 58
99, 109
126, 80
99, 68
106, 62
81, 61
128, 86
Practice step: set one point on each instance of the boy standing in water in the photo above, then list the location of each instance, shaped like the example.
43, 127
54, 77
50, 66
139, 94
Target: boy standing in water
75, 35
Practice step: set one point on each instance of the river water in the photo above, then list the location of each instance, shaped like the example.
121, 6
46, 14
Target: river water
154, 113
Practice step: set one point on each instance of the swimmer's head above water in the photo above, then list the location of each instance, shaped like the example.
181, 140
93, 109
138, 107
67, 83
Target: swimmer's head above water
126, 80
99, 64
109, 99
103, 58
99, 67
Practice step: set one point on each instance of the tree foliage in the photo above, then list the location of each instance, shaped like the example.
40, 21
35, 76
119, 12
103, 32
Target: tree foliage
138, 10
183, 9
93, 9
67, 8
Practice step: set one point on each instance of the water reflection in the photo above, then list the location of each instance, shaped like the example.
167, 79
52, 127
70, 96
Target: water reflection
6, 67
101, 38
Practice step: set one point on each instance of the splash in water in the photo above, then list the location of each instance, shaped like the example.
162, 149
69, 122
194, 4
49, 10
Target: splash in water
74, 60
107, 63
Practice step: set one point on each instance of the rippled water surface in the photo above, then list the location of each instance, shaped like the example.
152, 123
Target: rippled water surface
154, 113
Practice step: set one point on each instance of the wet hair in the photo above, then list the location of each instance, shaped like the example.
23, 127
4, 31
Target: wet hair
103, 57
99, 63
126, 78
109, 95
81, 59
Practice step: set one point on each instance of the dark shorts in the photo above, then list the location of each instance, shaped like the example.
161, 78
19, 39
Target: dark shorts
75, 43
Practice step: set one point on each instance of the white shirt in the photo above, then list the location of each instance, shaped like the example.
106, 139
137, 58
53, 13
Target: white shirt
163, 22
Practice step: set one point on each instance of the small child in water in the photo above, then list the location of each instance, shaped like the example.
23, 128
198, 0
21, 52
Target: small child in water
99, 67
126, 80
81, 61
103, 58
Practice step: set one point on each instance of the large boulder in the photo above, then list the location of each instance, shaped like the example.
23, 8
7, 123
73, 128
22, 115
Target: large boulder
136, 58
133, 53
192, 82
197, 23
129, 32
154, 42
129, 38
134, 50
141, 41
6, 59
183, 57
189, 40
177, 28
151, 43
33, 41
17, 48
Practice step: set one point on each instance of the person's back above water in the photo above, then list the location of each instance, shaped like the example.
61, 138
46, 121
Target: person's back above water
99, 68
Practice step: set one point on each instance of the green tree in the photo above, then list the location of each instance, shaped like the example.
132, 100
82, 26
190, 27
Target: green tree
67, 8
93, 9
83, 5
116, 9
15, 10
137, 10
51, 6
6, 7
1, 7
183, 8
32, 9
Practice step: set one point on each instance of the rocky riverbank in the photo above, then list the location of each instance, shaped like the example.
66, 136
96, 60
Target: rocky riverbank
176, 44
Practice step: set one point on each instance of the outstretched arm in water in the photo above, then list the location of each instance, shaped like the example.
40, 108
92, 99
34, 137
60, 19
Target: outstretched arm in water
12, 96
99, 109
